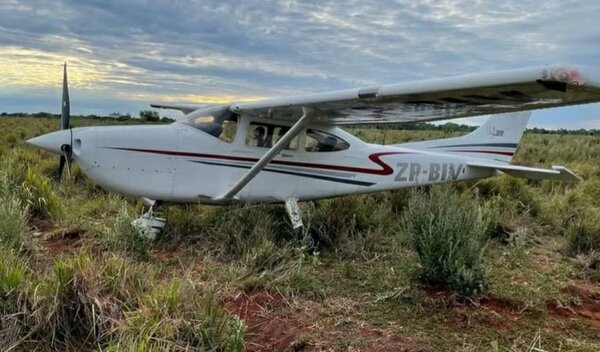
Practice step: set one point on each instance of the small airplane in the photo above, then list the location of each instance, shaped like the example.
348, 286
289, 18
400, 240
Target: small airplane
287, 150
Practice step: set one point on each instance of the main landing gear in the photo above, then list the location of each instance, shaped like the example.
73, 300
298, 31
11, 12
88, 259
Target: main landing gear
149, 225
295, 215
293, 211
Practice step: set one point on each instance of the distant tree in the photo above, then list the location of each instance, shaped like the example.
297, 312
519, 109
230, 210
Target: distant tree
149, 115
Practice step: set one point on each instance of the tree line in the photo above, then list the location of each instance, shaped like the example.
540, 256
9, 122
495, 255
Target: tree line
144, 115
153, 116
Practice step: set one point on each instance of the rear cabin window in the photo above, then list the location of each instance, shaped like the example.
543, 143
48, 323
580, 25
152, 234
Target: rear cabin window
265, 135
319, 141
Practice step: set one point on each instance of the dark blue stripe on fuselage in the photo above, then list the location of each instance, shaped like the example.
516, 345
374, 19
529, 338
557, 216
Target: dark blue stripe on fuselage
301, 174
499, 145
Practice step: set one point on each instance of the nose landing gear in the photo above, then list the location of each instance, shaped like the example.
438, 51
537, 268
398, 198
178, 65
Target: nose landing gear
149, 225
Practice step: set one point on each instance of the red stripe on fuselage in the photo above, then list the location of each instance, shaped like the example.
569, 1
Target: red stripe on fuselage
384, 171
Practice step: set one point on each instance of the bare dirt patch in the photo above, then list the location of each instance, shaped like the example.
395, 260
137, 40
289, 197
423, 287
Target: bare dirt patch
277, 324
40, 226
160, 255
586, 303
477, 310
62, 240
270, 326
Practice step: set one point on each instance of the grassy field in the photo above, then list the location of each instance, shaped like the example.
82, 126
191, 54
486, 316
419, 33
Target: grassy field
75, 276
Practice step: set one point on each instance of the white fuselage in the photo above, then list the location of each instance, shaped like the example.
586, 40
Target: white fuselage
178, 163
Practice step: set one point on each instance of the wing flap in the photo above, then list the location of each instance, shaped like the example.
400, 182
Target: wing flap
556, 173
439, 99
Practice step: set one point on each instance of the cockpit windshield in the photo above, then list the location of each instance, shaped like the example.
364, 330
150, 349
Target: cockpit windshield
218, 122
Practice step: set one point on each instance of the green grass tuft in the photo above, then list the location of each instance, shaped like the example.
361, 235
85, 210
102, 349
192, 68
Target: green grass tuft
123, 237
39, 195
13, 218
449, 234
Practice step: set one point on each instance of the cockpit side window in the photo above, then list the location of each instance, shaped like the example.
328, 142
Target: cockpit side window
219, 123
266, 135
319, 141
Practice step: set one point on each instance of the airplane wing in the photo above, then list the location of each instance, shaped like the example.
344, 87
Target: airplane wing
184, 108
440, 98
556, 173
436, 99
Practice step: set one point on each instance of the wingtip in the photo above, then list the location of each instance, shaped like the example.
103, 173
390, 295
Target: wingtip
569, 175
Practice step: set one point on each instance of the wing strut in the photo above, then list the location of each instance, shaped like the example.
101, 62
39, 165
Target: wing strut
269, 155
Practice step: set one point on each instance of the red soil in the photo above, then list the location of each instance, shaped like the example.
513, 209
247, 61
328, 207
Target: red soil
276, 324
587, 305
63, 240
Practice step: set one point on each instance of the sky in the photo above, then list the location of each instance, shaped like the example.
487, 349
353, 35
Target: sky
124, 55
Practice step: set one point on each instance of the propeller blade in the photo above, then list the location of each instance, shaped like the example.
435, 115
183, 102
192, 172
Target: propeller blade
65, 115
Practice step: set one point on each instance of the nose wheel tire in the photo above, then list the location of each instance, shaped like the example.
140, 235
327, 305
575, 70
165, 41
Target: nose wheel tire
148, 225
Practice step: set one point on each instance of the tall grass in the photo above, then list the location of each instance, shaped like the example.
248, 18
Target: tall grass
82, 303
39, 195
583, 234
449, 234
13, 218
124, 237
175, 315
120, 292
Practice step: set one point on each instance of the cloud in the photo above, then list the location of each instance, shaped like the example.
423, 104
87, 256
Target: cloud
129, 51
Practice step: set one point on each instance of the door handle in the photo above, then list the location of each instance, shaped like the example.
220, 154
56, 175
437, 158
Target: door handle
285, 155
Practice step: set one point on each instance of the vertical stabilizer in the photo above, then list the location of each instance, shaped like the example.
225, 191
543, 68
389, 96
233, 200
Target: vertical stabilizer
497, 139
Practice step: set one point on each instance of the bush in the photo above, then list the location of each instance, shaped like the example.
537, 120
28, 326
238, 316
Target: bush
449, 234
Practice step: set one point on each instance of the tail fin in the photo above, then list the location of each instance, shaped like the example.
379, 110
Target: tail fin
497, 139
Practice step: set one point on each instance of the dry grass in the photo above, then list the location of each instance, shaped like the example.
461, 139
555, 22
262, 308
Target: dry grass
352, 288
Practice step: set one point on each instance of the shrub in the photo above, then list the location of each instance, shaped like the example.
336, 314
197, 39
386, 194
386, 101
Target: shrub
449, 234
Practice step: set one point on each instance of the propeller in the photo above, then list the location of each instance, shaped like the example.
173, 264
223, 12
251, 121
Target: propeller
65, 116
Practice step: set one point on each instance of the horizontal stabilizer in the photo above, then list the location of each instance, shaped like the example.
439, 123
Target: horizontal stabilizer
556, 173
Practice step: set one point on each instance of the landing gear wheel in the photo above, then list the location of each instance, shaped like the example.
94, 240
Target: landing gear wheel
149, 225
